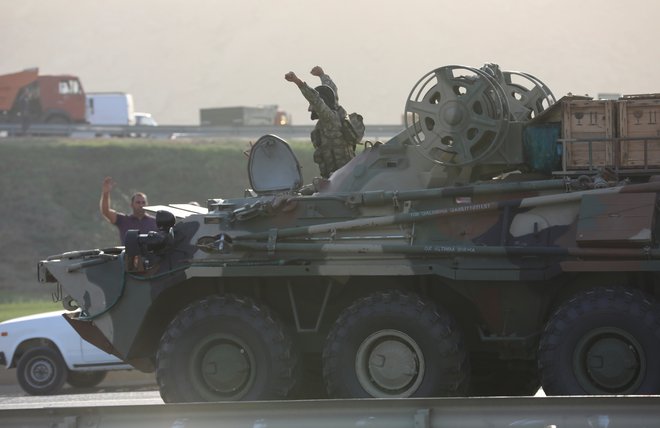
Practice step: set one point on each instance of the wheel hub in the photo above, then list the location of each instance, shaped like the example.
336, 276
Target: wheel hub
226, 368
390, 364
609, 360
612, 362
452, 113
41, 371
222, 368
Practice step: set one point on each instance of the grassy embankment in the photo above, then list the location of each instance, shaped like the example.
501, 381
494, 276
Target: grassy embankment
50, 190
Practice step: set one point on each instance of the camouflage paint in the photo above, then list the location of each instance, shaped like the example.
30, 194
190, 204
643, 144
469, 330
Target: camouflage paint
500, 255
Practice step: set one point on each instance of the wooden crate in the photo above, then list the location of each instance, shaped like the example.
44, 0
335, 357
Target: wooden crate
639, 119
588, 120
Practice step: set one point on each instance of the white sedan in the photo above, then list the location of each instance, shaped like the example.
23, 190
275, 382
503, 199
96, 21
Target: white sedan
47, 352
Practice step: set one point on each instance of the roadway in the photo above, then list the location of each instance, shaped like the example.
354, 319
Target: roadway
143, 409
127, 399
290, 132
121, 385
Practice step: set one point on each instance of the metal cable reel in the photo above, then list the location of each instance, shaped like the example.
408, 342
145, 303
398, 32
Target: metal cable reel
457, 115
527, 95
545, 97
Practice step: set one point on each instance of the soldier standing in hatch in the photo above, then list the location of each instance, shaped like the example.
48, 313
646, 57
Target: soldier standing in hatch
332, 149
138, 219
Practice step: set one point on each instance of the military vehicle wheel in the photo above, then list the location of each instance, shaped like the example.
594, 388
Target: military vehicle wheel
225, 348
85, 379
603, 341
394, 344
41, 371
457, 115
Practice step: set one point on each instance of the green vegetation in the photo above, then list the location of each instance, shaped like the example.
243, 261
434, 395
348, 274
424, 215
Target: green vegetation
50, 190
26, 307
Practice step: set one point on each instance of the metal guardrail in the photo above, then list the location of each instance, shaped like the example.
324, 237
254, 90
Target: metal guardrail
528, 412
373, 132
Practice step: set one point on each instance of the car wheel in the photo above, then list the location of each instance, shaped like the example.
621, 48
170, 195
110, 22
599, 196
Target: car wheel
80, 379
603, 341
41, 371
394, 345
226, 348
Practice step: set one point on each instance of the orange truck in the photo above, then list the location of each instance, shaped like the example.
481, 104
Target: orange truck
28, 97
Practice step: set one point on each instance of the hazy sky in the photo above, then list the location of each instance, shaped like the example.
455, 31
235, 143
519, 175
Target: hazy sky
176, 56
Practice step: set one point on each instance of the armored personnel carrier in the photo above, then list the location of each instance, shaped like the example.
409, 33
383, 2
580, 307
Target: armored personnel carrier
502, 241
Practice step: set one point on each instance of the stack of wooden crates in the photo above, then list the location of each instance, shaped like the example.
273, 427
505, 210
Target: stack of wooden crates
622, 134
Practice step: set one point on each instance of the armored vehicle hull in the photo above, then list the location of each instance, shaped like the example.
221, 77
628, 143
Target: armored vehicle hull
410, 272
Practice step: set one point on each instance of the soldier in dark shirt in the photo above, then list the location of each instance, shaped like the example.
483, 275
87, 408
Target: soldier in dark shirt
332, 149
137, 220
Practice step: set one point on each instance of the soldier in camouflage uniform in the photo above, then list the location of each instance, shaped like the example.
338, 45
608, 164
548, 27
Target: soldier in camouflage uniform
332, 150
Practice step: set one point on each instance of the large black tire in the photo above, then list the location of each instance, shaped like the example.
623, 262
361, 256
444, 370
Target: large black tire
79, 379
226, 348
394, 344
603, 341
41, 371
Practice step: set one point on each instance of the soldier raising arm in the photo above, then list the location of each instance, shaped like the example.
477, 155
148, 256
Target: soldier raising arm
332, 150
325, 79
138, 219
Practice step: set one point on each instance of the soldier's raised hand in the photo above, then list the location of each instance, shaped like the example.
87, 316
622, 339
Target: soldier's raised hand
108, 184
317, 71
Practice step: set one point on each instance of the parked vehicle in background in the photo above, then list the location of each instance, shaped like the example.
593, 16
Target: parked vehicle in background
44, 99
110, 108
47, 352
144, 119
243, 116
116, 109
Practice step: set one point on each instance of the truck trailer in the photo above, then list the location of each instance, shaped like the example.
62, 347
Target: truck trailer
243, 116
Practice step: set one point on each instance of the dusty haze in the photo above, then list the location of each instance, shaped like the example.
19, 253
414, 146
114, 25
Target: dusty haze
178, 56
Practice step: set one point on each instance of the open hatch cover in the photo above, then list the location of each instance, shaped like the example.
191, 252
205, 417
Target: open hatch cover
273, 167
